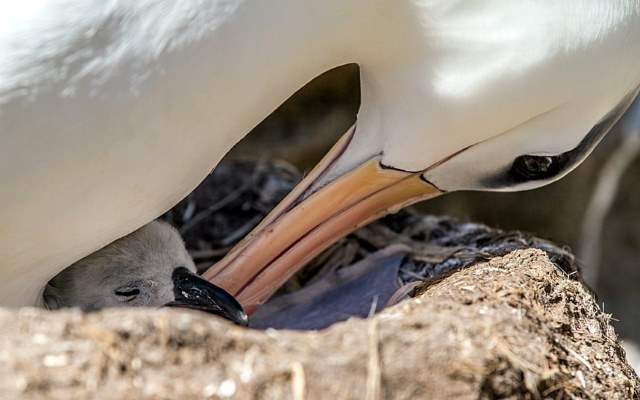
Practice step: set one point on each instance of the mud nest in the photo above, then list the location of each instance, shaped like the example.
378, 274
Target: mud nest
514, 327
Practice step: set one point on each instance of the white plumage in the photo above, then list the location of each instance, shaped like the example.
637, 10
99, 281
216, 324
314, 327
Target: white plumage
112, 111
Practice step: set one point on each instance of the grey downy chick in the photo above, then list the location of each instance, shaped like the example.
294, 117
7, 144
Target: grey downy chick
147, 268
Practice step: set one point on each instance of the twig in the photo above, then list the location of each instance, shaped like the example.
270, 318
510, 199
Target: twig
202, 215
208, 253
575, 355
298, 381
240, 232
374, 371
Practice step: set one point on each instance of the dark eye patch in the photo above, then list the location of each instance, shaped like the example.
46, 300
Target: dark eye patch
530, 167
127, 291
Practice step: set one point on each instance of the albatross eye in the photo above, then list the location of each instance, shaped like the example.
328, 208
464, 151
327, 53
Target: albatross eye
528, 167
127, 293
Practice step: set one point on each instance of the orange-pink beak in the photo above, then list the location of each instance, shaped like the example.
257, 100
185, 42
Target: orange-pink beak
304, 225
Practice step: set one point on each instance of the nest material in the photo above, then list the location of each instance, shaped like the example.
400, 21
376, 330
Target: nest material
514, 327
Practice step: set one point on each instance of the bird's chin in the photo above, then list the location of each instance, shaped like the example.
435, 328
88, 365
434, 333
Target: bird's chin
304, 224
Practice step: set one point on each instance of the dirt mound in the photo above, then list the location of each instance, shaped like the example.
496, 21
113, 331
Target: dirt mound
513, 327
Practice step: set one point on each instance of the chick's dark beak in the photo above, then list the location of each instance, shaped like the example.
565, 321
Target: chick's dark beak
196, 293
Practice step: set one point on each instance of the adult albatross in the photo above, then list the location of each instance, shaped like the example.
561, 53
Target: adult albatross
112, 111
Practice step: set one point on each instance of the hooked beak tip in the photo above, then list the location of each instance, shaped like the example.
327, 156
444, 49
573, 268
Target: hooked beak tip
195, 293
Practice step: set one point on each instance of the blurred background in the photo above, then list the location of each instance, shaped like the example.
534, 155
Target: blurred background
593, 211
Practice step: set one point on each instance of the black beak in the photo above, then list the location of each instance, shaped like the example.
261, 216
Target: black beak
196, 293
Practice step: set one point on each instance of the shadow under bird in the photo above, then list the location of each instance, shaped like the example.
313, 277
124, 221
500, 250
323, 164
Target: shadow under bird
112, 112
147, 268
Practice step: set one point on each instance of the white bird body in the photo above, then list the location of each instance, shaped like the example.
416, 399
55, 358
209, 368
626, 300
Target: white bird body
113, 111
